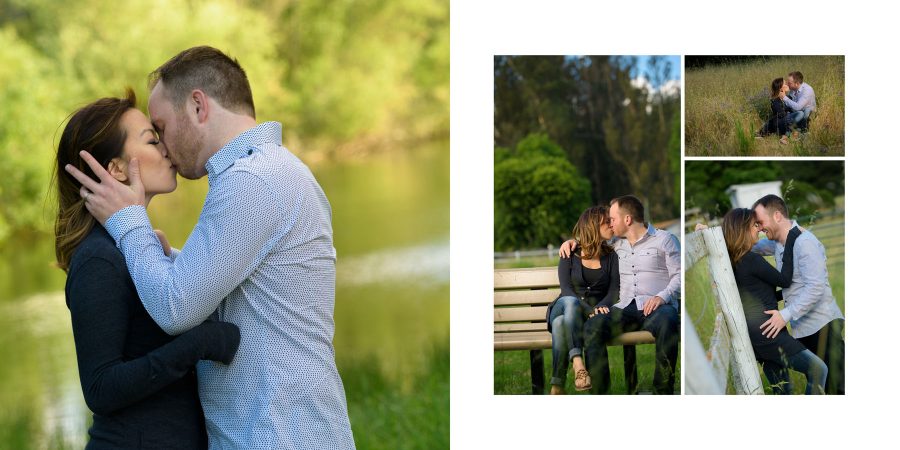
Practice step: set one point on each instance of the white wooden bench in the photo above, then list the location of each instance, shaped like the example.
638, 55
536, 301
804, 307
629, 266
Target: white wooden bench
521, 297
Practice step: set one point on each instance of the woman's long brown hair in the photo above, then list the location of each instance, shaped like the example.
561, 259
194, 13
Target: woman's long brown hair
776, 86
738, 237
96, 129
587, 232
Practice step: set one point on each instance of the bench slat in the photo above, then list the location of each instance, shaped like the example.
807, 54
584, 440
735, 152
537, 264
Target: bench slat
522, 341
542, 339
513, 327
534, 297
634, 338
526, 278
520, 314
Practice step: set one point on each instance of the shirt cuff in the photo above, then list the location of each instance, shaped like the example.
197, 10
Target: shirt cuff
786, 315
125, 220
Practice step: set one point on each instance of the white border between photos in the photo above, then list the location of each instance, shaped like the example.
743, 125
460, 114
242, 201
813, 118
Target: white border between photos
864, 417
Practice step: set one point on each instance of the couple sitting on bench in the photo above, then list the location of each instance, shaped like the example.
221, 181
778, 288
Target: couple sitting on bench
623, 275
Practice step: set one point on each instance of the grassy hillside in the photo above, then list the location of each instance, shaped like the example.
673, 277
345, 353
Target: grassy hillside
725, 106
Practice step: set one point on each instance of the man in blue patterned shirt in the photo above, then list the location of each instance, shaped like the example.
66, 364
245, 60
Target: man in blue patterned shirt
649, 295
801, 99
809, 305
261, 257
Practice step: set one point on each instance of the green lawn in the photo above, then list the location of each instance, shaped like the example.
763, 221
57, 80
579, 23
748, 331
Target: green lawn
527, 262
512, 372
385, 416
700, 301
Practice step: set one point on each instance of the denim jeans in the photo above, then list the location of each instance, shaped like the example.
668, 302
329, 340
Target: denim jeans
567, 322
805, 362
798, 118
663, 323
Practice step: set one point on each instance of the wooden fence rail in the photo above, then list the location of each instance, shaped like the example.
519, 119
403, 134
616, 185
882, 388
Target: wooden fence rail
730, 343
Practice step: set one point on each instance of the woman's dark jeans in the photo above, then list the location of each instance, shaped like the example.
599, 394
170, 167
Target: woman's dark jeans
805, 362
567, 323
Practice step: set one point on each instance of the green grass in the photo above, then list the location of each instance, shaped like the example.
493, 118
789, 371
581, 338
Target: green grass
700, 301
385, 416
512, 372
527, 263
724, 106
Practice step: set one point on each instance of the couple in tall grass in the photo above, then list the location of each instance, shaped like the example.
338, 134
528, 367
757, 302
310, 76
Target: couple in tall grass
623, 275
815, 344
792, 101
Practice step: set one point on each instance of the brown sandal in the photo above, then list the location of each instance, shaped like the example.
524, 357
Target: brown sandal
582, 380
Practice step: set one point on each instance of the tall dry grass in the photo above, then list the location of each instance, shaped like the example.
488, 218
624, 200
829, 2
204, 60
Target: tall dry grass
726, 105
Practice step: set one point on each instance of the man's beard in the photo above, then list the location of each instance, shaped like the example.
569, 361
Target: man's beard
188, 144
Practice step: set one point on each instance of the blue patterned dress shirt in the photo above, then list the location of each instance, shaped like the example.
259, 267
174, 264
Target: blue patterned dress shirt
649, 268
261, 257
801, 99
809, 303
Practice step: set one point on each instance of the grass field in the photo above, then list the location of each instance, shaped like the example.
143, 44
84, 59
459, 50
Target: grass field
725, 106
526, 262
700, 301
385, 416
512, 369
512, 372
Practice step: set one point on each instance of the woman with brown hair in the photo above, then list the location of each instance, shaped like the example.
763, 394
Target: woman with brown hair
138, 381
756, 281
779, 119
589, 284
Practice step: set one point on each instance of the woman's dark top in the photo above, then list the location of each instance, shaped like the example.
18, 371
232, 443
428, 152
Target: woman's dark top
778, 121
139, 381
592, 287
756, 281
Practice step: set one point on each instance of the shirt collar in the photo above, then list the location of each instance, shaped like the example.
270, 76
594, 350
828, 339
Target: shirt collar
650, 233
241, 146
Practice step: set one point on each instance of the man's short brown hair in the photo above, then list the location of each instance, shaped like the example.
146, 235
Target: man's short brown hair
631, 206
208, 69
796, 76
772, 203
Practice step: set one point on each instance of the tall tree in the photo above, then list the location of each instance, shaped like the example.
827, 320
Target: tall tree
614, 123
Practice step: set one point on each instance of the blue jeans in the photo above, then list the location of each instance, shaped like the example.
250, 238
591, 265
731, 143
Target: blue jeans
805, 362
663, 323
797, 117
566, 323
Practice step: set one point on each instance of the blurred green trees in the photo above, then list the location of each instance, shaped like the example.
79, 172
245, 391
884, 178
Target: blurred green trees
610, 129
537, 193
345, 74
808, 186
618, 131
